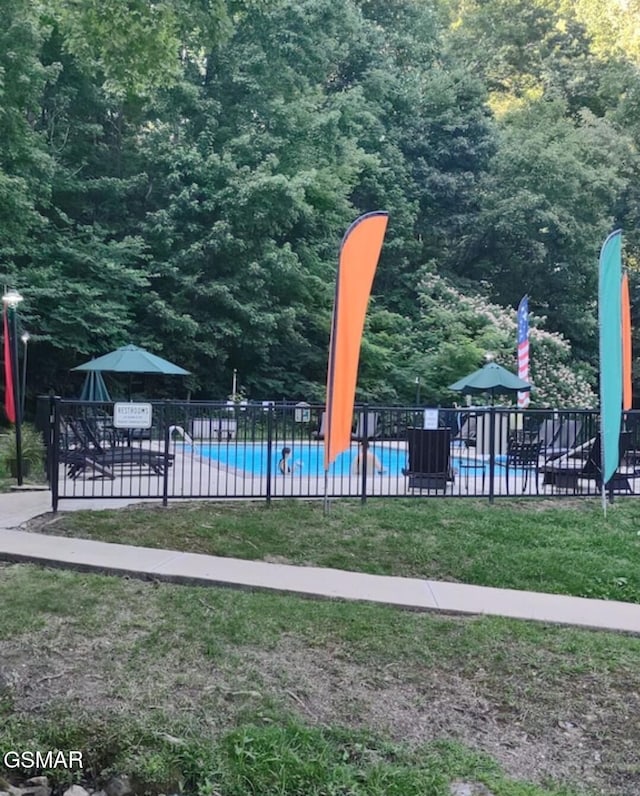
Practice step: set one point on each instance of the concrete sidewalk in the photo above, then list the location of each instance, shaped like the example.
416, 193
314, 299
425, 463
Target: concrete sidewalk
19, 507
84, 554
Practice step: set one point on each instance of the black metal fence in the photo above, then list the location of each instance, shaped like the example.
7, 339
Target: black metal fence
276, 450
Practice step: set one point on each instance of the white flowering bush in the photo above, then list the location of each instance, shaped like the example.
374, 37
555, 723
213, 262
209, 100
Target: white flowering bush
456, 332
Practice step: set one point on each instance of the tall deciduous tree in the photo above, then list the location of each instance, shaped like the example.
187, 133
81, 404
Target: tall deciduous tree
181, 173
25, 166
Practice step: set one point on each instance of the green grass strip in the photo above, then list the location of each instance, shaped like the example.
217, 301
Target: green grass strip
563, 548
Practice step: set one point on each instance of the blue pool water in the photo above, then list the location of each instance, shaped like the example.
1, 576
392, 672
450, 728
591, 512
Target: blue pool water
303, 460
309, 460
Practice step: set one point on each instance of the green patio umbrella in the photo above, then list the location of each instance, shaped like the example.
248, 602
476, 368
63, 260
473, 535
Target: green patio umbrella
132, 359
492, 378
94, 388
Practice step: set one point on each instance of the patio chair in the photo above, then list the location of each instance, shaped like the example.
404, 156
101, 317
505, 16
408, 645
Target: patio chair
429, 458
450, 418
567, 472
523, 454
393, 424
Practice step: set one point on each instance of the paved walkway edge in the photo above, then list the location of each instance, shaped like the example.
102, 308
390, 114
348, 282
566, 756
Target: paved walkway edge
173, 566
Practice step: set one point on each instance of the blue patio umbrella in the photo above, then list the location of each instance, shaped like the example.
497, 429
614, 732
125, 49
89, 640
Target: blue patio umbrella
491, 378
132, 359
94, 388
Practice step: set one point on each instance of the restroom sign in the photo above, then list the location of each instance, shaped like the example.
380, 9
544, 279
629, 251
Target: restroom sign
132, 415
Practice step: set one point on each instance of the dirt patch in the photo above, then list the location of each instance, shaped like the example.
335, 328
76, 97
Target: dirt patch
585, 731
55, 522
44, 523
575, 739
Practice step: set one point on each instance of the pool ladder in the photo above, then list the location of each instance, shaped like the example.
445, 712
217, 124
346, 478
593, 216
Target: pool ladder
179, 430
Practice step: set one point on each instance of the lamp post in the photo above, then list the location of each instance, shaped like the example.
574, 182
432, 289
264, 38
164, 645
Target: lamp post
25, 337
417, 390
11, 299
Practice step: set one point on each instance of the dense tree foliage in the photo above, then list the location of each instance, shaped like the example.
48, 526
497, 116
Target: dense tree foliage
179, 174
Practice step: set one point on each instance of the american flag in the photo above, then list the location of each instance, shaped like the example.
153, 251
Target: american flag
523, 349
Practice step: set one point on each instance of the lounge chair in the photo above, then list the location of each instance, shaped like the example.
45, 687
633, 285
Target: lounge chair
546, 432
101, 424
220, 428
567, 472
319, 434
79, 463
373, 426
81, 451
559, 438
75, 455
467, 433
429, 457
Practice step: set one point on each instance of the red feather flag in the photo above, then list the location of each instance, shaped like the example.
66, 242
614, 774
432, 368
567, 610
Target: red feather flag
9, 403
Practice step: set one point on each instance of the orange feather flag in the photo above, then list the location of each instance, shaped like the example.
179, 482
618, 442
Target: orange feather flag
627, 389
359, 255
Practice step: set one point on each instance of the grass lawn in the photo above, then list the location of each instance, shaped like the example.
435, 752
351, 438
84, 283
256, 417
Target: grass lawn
564, 547
226, 693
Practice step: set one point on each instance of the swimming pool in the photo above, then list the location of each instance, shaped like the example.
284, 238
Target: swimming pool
308, 460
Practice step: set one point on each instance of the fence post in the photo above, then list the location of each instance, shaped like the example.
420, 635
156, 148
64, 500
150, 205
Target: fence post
53, 450
167, 444
47, 430
269, 451
363, 452
492, 451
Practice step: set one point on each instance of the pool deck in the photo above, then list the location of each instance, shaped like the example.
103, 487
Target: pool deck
196, 476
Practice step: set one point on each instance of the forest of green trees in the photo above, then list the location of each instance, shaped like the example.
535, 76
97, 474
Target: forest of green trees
179, 174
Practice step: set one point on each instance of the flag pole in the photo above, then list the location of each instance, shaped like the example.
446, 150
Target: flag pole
330, 388
522, 348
